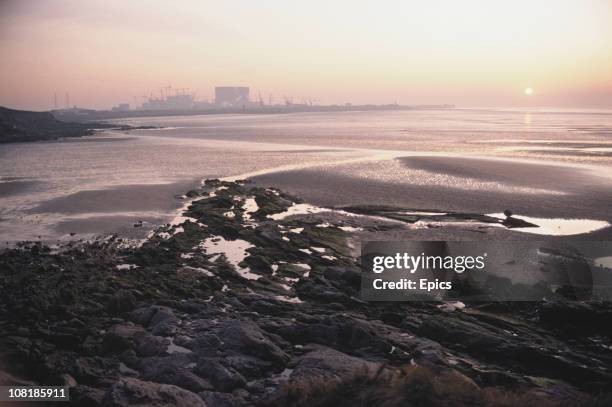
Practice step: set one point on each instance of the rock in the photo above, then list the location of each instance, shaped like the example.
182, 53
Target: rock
248, 366
323, 363
151, 345
93, 370
258, 263
166, 328
67, 380
319, 290
184, 341
577, 317
222, 377
192, 193
134, 392
231, 341
451, 306
121, 301
126, 371
526, 352
207, 344
341, 332
179, 376
174, 369
164, 322
121, 336
350, 276
86, 396
7, 379
161, 314
142, 316
246, 337
218, 399
511, 222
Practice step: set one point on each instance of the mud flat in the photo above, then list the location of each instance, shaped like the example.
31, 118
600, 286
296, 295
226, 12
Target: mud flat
462, 185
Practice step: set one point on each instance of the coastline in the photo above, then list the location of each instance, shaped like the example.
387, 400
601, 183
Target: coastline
282, 290
461, 184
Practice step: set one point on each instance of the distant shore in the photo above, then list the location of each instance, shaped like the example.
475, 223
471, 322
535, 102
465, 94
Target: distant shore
82, 115
22, 126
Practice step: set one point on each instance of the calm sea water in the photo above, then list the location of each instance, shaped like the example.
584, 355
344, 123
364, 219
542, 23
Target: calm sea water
103, 183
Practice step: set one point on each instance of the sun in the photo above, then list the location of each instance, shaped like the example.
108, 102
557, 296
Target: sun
528, 91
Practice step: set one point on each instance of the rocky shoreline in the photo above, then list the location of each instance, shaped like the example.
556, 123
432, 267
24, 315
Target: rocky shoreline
252, 298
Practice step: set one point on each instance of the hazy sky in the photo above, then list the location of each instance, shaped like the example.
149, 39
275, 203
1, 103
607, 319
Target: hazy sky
470, 53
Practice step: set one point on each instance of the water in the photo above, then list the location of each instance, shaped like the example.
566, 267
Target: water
107, 182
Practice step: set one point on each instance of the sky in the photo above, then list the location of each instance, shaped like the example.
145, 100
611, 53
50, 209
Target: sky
467, 53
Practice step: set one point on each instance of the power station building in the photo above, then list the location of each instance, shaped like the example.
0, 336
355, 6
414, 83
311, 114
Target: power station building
231, 96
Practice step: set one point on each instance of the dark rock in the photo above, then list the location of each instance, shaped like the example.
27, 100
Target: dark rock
91, 346
161, 314
164, 322
93, 370
246, 337
121, 301
577, 317
179, 376
134, 392
248, 366
7, 379
218, 399
126, 371
347, 333
150, 367
258, 263
142, 316
222, 377
67, 380
526, 352
323, 363
121, 336
184, 341
86, 396
511, 222
344, 274
166, 328
150, 345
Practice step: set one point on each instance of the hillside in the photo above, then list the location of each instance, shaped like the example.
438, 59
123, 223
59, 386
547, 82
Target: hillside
20, 125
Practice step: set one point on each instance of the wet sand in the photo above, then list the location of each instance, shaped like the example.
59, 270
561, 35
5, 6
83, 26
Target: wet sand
99, 212
509, 172
126, 198
15, 187
102, 225
577, 194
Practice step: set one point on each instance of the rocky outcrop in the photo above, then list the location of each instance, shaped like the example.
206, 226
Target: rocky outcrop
134, 392
276, 320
